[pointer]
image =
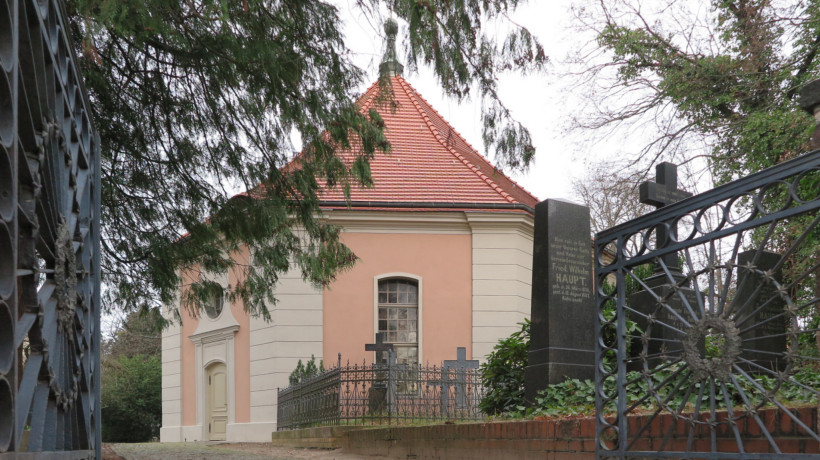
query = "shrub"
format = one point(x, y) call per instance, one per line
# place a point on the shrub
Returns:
point(131, 404)
point(503, 373)
point(577, 397)
point(306, 371)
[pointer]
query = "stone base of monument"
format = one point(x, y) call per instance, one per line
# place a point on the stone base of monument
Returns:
point(557, 365)
point(377, 397)
point(666, 329)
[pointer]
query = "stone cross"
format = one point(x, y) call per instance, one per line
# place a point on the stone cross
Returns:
point(379, 345)
point(661, 193)
point(460, 365)
point(664, 191)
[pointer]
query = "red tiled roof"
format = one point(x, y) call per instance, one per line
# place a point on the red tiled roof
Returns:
point(429, 161)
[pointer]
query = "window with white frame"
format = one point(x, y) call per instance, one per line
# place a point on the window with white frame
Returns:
point(399, 319)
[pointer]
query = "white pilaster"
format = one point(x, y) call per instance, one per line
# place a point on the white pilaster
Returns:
point(502, 273)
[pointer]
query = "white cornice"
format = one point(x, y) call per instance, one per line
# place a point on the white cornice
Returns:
point(214, 335)
point(356, 221)
point(493, 222)
point(449, 222)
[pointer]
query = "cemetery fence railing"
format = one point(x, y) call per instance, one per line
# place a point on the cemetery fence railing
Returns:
point(728, 329)
point(49, 241)
point(381, 394)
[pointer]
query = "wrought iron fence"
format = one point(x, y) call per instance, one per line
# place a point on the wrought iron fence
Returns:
point(724, 327)
point(49, 241)
point(381, 394)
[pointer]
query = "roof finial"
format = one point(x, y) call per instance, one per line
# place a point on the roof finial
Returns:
point(390, 65)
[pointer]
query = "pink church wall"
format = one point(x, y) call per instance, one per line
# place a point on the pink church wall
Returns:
point(443, 262)
point(242, 362)
point(188, 350)
point(242, 342)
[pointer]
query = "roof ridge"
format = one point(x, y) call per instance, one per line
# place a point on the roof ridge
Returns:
point(412, 94)
point(366, 99)
point(470, 146)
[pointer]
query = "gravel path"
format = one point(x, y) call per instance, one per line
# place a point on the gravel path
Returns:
point(225, 451)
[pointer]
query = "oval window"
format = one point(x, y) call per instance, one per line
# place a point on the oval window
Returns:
point(214, 308)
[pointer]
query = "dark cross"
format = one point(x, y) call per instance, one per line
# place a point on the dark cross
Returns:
point(460, 365)
point(379, 345)
point(664, 191)
point(382, 388)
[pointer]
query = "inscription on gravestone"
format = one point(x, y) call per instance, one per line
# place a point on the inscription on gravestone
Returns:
point(571, 281)
point(563, 306)
point(758, 304)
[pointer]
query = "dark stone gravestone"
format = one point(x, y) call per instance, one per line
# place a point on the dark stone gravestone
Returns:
point(664, 304)
point(377, 395)
point(562, 343)
point(662, 308)
point(459, 367)
point(758, 304)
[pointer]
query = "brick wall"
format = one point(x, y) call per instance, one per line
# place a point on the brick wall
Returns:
point(575, 438)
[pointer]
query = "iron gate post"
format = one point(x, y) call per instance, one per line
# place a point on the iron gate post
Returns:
point(49, 240)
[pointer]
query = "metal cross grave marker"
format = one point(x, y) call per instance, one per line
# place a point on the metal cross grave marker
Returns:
point(383, 391)
point(460, 365)
point(664, 191)
point(380, 345)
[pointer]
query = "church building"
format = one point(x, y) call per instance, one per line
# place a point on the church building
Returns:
point(444, 242)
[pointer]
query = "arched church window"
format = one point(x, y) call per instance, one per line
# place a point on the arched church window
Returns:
point(398, 318)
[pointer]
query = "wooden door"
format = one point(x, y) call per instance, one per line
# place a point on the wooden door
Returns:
point(217, 402)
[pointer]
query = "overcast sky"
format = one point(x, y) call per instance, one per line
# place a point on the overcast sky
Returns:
point(537, 101)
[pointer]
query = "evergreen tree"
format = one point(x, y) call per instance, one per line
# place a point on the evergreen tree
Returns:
point(192, 97)
point(131, 376)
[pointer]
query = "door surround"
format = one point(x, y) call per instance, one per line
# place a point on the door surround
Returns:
point(215, 346)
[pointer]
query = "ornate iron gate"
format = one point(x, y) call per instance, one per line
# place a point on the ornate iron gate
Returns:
point(711, 356)
point(49, 241)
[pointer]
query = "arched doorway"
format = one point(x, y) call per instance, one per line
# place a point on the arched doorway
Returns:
point(217, 401)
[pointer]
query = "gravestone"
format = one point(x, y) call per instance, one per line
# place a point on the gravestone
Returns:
point(562, 343)
point(758, 303)
point(664, 302)
point(460, 366)
point(377, 396)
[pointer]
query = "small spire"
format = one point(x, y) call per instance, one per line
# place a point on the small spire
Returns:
point(390, 65)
